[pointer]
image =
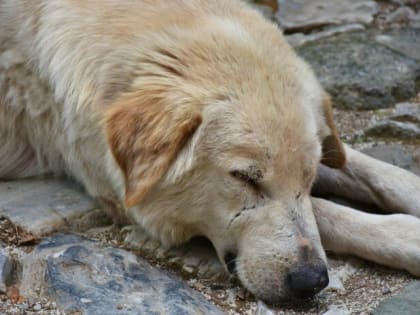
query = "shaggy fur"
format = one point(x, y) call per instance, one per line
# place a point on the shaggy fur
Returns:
point(196, 118)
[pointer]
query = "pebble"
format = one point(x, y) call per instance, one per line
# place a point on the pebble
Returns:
point(37, 307)
point(337, 310)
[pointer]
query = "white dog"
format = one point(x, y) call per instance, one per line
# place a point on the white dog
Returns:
point(193, 117)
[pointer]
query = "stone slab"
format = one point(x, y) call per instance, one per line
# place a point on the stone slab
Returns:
point(42, 206)
point(300, 39)
point(5, 269)
point(361, 73)
point(306, 15)
point(405, 303)
point(83, 276)
point(404, 41)
point(390, 129)
point(408, 112)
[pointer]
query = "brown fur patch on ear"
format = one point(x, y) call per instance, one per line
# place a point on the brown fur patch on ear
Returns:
point(333, 154)
point(145, 134)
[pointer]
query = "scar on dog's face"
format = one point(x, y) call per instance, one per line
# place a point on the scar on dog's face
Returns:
point(230, 152)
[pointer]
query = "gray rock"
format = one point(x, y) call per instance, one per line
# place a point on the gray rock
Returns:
point(306, 15)
point(263, 309)
point(81, 275)
point(299, 39)
point(340, 273)
point(404, 41)
point(337, 310)
point(389, 129)
point(361, 73)
point(405, 303)
point(407, 112)
point(401, 14)
point(6, 265)
point(397, 155)
point(42, 206)
point(415, 21)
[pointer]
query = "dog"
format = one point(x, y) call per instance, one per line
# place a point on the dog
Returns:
point(196, 118)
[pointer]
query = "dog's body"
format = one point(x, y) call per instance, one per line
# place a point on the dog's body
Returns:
point(196, 118)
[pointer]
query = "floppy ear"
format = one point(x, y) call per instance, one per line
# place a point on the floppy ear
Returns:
point(145, 134)
point(333, 154)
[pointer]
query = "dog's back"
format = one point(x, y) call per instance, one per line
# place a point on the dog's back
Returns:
point(63, 62)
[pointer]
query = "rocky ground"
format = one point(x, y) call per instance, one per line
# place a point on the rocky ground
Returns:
point(366, 54)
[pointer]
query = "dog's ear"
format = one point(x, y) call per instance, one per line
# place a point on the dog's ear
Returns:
point(145, 134)
point(333, 154)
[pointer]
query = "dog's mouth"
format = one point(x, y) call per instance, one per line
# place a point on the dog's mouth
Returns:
point(230, 261)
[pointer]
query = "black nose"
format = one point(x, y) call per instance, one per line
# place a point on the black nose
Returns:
point(307, 280)
point(230, 261)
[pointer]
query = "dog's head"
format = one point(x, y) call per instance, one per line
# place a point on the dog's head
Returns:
point(221, 135)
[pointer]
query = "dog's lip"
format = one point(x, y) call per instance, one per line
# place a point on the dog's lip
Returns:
point(229, 259)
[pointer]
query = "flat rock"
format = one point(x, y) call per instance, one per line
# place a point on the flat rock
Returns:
point(263, 309)
point(397, 155)
point(405, 41)
point(405, 303)
point(5, 269)
point(40, 206)
point(408, 112)
point(299, 39)
point(361, 73)
point(337, 310)
point(307, 15)
point(81, 275)
point(389, 129)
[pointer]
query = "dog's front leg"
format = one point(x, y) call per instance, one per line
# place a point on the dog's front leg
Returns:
point(391, 240)
point(368, 180)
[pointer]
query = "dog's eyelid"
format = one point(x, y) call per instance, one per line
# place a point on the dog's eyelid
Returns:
point(244, 176)
point(250, 180)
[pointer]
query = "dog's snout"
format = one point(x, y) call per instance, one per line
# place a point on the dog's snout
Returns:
point(307, 280)
point(230, 261)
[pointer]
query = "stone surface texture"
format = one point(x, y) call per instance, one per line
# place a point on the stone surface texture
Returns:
point(303, 14)
point(299, 39)
point(405, 41)
point(394, 129)
point(5, 269)
point(401, 123)
point(361, 73)
point(405, 303)
point(337, 310)
point(80, 275)
point(43, 206)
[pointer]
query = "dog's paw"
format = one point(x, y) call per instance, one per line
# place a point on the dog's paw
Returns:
point(134, 236)
point(402, 243)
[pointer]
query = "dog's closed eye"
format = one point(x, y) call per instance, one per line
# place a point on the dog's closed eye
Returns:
point(244, 177)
